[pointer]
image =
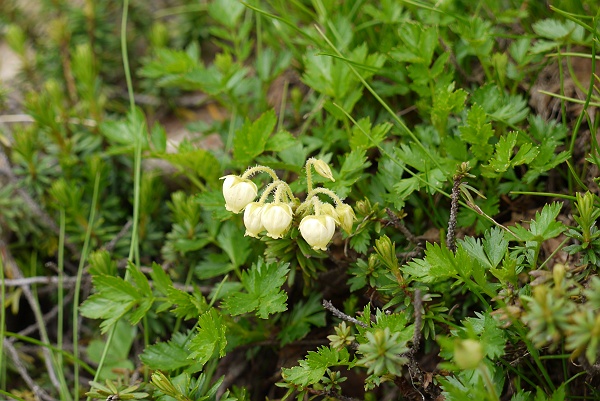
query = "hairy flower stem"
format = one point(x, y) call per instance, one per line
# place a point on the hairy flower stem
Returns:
point(277, 186)
point(451, 237)
point(260, 169)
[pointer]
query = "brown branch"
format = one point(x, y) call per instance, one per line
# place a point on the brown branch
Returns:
point(109, 246)
point(35, 388)
point(401, 227)
point(451, 237)
point(15, 271)
point(338, 313)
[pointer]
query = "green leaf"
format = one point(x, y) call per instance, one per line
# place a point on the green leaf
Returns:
point(210, 339)
point(446, 101)
point(298, 323)
point(543, 227)
point(113, 299)
point(418, 44)
point(235, 244)
point(503, 158)
point(365, 136)
point(250, 140)
point(158, 137)
point(169, 355)
point(495, 245)
point(554, 29)
point(490, 335)
point(280, 141)
point(129, 132)
point(162, 281)
point(195, 162)
point(478, 133)
point(118, 356)
point(313, 367)
point(187, 306)
point(262, 283)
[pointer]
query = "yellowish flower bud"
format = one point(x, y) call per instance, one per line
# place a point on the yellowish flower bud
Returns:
point(468, 353)
point(276, 218)
point(346, 217)
point(323, 169)
point(238, 192)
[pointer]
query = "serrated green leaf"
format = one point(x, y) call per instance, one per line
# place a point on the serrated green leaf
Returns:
point(313, 367)
point(495, 245)
point(554, 29)
point(250, 140)
point(478, 132)
point(418, 44)
point(141, 282)
point(198, 162)
point(169, 355)
point(187, 306)
point(365, 136)
point(210, 339)
point(262, 283)
point(162, 281)
point(490, 335)
point(543, 227)
point(446, 100)
point(129, 132)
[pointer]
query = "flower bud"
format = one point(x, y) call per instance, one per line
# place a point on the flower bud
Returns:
point(468, 353)
point(317, 231)
point(238, 192)
point(346, 217)
point(327, 209)
point(253, 219)
point(323, 169)
point(276, 218)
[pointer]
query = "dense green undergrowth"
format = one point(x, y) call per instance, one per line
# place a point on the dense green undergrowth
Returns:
point(373, 200)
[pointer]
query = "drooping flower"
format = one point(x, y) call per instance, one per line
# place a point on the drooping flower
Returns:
point(253, 219)
point(238, 192)
point(346, 216)
point(276, 218)
point(317, 231)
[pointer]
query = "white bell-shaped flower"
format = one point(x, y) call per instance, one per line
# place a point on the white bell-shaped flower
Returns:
point(276, 218)
point(317, 231)
point(346, 216)
point(238, 192)
point(253, 219)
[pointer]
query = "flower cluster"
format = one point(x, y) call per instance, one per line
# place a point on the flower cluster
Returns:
point(317, 219)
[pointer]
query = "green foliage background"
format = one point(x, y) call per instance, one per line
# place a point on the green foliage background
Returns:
point(124, 275)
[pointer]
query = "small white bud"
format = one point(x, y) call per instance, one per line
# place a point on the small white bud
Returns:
point(317, 231)
point(253, 219)
point(276, 218)
point(346, 217)
point(468, 353)
point(323, 169)
point(238, 192)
